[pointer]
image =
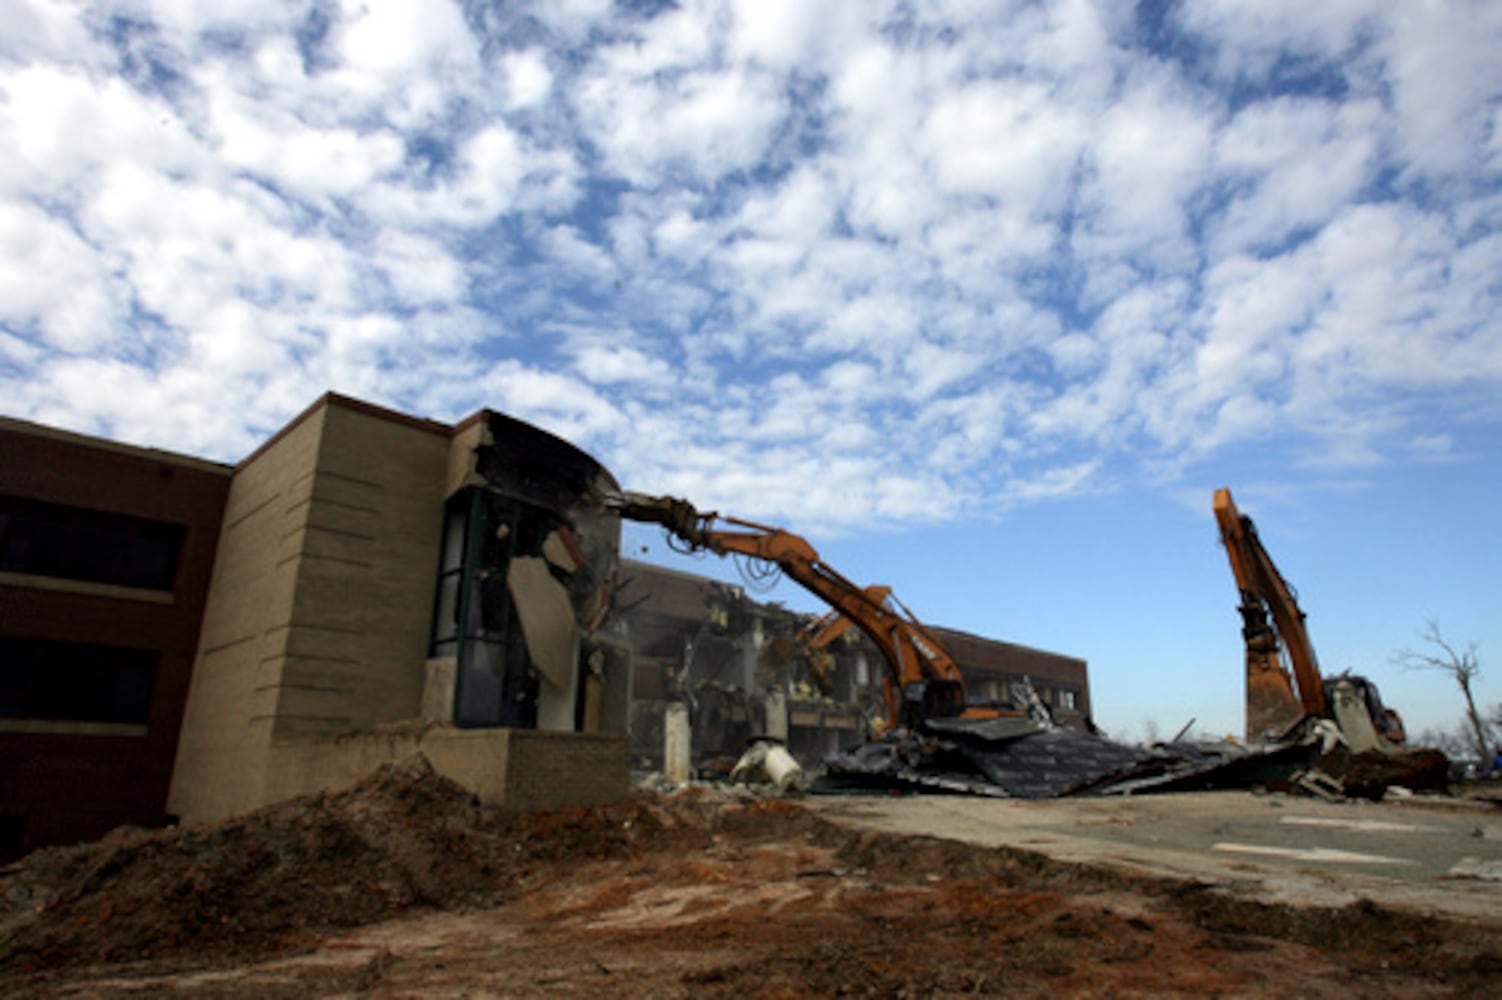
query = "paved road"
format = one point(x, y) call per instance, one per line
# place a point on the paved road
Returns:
point(1441, 855)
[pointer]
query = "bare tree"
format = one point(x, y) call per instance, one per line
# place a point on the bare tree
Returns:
point(1454, 743)
point(1463, 665)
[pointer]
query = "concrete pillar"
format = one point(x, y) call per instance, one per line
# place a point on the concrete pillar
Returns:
point(438, 689)
point(751, 645)
point(777, 715)
point(677, 748)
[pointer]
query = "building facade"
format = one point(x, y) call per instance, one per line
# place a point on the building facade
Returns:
point(105, 558)
point(187, 640)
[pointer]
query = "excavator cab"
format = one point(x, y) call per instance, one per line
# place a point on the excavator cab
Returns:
point(934, 698)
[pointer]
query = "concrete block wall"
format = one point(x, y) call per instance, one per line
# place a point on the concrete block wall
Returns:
point(232, 699)
point(368, 546)
point(320, 604)
point(518, 770)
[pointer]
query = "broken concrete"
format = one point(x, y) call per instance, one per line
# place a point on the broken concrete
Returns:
point(769, 761)
point(547, 619)
point(1023, 758)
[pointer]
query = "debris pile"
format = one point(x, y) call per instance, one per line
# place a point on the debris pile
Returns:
point(1026, 759)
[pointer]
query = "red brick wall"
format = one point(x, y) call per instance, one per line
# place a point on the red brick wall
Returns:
point(70, 787)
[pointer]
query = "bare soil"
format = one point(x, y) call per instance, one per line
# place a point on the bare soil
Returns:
point(404, 887)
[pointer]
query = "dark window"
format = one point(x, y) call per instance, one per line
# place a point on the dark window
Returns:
point(79, 544)
point(474, 617)
point(12, 829)
point(75, 682)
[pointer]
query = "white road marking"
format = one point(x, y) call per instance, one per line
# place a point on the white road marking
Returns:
point(1491, 871)
point(1324, 855)
point(1364, 825)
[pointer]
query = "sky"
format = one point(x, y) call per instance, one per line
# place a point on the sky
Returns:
point(984, 298)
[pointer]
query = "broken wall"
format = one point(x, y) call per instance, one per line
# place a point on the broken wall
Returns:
point(529, 558)
point(709, 647)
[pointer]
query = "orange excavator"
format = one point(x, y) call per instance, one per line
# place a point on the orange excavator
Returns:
point(922, 681)
point(1272, 625)
point(812, 642)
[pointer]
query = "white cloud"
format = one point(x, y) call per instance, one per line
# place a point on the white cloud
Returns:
point(1251, 39)
point(607, 365)
point(528, 79)
point(704, 123)
point(1149, 159)
point(310, 162)
point(60, 125)
point(421, 270)
point(861, 262)
point(1008, 140)
point(40, 29)
point(1443, 66)
point(494, 172)
point(1301, 162)
point(786, 34)
point(1061, 481)
point(52, 278)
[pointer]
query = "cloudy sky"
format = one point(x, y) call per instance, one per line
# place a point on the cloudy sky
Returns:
point(988, 295)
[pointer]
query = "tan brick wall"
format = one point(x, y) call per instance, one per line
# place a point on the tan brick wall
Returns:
point(369, 554)
point(312, 659)
point(232, 699)
point(319, 609)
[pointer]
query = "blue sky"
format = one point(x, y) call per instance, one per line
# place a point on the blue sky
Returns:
point(986, 298)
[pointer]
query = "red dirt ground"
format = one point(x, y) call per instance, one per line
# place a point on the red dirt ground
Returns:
point(403, 887)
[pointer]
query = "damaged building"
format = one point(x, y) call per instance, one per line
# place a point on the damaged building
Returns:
point(183, 639)
point(744, 668)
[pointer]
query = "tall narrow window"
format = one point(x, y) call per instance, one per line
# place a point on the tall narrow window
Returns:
point(475, 618)
point(450, 577)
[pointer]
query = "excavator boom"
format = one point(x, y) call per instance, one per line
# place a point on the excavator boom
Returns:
point(1273, 706)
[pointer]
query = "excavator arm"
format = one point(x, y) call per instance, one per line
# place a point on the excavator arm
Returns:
point(824, 631)
point(1273, 708)
point(922, 679)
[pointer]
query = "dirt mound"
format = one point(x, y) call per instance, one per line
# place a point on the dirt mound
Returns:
point(704, 893)
point(404, 837)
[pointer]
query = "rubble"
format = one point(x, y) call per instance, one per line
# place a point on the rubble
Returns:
point(402, 886)
point(768, 760)
point(1028, 759)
